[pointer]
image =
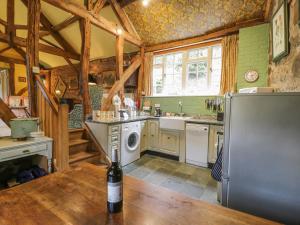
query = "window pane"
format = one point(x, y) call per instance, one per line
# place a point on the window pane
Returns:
point(202, 77)
point(203, 52)
point(217, 51)
point(178, 68)
point(169, 69)
point(193, 54)
point(178, 58)
point(170, 59)
point(158, 60)
point(157, 80)
point(192, 67)
point(202, 70)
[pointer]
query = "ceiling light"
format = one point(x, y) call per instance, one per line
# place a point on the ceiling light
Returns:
point(119, 31)
point(145, 2)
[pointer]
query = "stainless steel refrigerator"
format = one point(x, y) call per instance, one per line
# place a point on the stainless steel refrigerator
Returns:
point(261, 158)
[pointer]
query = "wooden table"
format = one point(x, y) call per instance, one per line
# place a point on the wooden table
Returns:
point(78, 197)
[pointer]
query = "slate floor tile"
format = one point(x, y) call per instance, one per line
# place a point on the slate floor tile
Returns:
point(195, 182)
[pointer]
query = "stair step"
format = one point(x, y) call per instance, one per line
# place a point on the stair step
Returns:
point(76, 133)
point(78, 142)
point(83, 156)
point(78, 145)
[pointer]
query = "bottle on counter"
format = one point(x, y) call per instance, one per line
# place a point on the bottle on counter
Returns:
point(114, 185)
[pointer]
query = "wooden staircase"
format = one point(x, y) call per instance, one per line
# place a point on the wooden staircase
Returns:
point(81, 148)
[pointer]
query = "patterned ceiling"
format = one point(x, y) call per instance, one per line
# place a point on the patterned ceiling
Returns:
point(167, 20)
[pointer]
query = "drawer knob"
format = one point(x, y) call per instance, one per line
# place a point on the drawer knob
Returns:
point(168, 137)
point(26, 151)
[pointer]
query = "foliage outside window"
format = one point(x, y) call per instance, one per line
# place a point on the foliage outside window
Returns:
point(189, 72)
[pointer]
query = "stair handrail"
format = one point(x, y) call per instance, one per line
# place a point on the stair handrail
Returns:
point(55, 125)
point(5, 113)
point(48, 97)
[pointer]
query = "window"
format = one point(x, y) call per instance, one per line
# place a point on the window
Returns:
point(189, 72)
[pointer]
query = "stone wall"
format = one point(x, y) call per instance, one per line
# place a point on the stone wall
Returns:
point(285, 75)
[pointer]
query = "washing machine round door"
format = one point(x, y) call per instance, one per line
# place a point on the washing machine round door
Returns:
point(133, 140)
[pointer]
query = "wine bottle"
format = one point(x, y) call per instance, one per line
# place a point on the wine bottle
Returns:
point(114, 185)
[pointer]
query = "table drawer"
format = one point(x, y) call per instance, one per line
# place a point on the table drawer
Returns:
point(22, 151)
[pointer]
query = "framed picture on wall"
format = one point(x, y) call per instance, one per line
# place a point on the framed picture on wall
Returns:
point(280, 32)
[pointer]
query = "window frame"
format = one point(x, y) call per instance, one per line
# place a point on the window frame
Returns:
point(185, 61)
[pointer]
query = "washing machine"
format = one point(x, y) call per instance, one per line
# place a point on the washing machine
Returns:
point(130, 142)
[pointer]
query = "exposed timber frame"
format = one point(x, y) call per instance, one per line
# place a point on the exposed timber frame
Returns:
point(32, 53)
point(95, 19)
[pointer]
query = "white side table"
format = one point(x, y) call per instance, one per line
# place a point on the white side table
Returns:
point(12, 149)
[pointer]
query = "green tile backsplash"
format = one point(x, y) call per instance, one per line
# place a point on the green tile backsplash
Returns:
point(191, 105)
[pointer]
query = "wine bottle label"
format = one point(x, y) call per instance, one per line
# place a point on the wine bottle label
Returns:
point(114, 192)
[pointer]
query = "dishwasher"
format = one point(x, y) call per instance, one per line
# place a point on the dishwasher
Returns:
point(197, 144)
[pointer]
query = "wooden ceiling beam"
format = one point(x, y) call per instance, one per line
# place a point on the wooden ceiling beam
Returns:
point(89, 4)
point(99, 4)
point(55, 34)
point(125, 21)
point(44, 33)
point(124, 3)
point(194, 40)
point(119, 84)
point(97, 20)
point(21, 42)
point(25, 27)
point(20, 51)
point(11, 60)
point(10, 15)
point(267, 10)
point(5, 49)
point(65, 23)
point(3, 22)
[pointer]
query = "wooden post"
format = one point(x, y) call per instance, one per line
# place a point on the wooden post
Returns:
point(10, 28)
point(141, 75)
point(119, 62)
point(62, 144)
point(12, 79)
point(85, 26)
point(32, 53)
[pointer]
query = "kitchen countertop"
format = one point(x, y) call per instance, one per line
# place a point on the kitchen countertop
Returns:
point(78, 196)
point(140, 118)
point(205, 121)
point(120, 120)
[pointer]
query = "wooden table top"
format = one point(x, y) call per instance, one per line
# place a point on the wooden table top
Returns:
point(78, 196)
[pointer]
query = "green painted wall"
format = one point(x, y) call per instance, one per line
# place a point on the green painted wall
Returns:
point(253, 55)
point(192, 105)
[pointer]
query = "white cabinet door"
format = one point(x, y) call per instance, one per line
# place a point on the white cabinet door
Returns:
point(153, 132)
point(169, 142)
point(144, 136)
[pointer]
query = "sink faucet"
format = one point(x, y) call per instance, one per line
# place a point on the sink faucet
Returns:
point(180, 108)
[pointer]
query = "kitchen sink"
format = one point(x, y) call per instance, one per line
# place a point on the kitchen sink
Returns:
point(173, 122)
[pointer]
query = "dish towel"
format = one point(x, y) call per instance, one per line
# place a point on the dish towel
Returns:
point(216, 171)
